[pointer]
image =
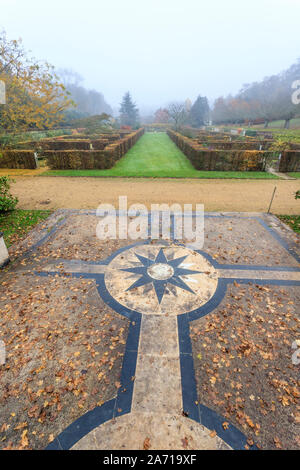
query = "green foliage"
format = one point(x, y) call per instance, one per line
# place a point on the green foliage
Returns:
point(7, 201)
point(251, 133)
point(11, 140)
point(93, 124)
point(292, 220)
point(188, 132)
point(280, 144)
point(16, 224)
point(297, 194)
point(292, 136)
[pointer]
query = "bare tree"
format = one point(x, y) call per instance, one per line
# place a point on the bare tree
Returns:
point(69, 77)
point(177, 113)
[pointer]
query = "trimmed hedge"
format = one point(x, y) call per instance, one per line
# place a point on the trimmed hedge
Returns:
point(65, 144)
point(99, 144)
point(289, 161)
point(73, 142)
point(235, 145)
point(121, 133)
point(78, 159)
point(29, 144)
point(222, 160)
point(24, 159)
point(78, 136)
point(228, 137)
point(92, 159)
point(295, 146)
point(157, 127)
point(55, 144)
point(112, 137)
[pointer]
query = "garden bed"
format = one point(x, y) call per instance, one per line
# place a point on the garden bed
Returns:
point(16, 224)
point(292, 220)
point(243, 365)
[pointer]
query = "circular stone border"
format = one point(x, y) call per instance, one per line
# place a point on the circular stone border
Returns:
point(161, 279)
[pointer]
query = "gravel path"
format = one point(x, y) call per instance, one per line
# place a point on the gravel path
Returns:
point(217, 195)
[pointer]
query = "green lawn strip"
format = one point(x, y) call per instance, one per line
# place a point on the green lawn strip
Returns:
point(154, 152)
point(156, 156)
point(16, 224)
point(295, 174)
point(292, 220)
point(165, 174)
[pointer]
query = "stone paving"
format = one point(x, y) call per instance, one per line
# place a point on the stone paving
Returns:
point(170, 389)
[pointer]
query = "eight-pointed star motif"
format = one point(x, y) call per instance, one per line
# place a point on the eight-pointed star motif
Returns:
point(160, 272)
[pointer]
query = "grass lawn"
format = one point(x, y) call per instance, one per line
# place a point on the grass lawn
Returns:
point(167, 174)
point(16, 224)
point(295, 123)
point(292, 220)
point(295, 174)
point(156, 156)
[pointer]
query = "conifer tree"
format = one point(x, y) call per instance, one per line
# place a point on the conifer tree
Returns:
point(128, 111)
point(199, 113)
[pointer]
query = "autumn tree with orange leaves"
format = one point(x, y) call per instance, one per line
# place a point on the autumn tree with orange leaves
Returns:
point(35, 98)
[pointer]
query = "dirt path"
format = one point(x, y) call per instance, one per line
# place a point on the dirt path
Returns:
point(217, 195)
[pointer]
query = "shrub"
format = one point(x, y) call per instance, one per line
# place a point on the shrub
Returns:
point(7, 201)
point(250, 132)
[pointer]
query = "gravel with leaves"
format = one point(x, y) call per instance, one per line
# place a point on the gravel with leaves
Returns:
point(243, 363)
point(64, 350)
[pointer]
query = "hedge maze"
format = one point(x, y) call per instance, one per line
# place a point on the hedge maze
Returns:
point(78, 152)
point(206, 150)
point(225, 152)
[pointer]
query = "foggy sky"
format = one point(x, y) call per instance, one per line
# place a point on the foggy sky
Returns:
point(159, 50)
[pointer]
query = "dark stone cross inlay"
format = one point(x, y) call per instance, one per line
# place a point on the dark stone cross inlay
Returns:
point(160, 272)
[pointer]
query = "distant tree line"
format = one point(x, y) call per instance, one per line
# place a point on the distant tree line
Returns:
point(185, 113)
point(85, 102)
point(261, 102)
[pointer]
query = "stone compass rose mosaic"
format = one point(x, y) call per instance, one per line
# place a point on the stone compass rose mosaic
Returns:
point(151, 283)
point(161, 280)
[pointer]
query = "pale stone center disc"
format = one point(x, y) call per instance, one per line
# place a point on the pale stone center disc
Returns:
point(160, 271)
